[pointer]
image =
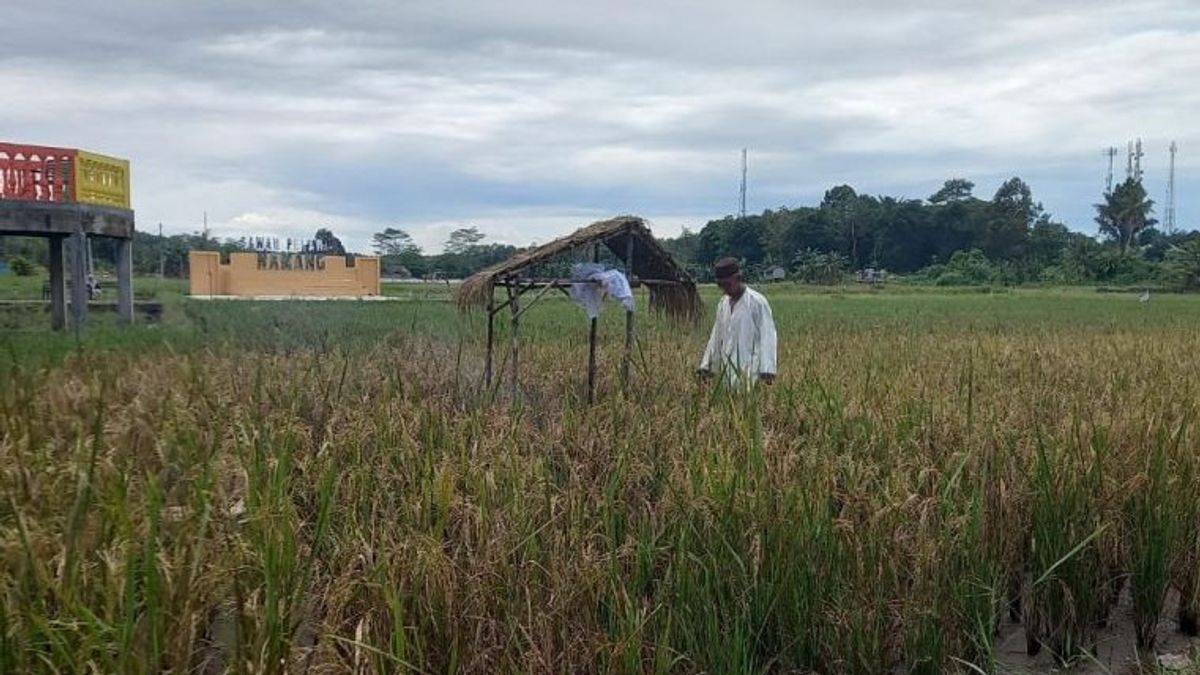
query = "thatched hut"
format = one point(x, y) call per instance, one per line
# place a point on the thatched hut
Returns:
point(672, 291)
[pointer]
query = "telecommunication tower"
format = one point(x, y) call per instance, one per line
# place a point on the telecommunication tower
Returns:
point(1169, 218)
point(1133, 160)
point(1137, 160)
point(742, 203)
point(1111, 153)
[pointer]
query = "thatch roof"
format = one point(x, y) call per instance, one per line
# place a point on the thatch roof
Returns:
point(679, 298)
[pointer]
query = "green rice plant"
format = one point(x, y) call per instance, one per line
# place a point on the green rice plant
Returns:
point(1151, 532)
point(717, 617)
point(975, 579)
point(283, 544)
point(860, 638)
point(1060, 604)
point(799, 572)
point(1185, 510)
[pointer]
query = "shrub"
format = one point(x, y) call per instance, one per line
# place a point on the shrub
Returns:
point(1183, 265)
point(21, 266)
point(965, 268)
point(815, 267)
point(1108, 264)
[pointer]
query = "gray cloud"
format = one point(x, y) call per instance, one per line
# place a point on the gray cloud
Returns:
point(528, 117)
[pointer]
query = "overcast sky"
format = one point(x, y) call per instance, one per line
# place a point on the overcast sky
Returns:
point(527, 118)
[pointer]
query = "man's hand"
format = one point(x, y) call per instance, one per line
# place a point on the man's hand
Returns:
point(768, 378)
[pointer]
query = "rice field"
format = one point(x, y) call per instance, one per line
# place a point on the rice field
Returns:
point(326, 488)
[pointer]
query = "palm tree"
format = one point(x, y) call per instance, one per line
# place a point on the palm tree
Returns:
point(1125, 212)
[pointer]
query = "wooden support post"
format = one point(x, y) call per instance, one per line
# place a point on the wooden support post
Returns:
point(628, 316)
point(540, 294)
point(79, 291)
point(513, 307)
point(591, 392)
point(487, 359)
point(58, 285)
point(591, 375)
point(125, 281)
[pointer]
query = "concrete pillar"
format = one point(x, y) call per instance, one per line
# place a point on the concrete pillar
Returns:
point(79, 294)
point(58, 285)
point(125, 281)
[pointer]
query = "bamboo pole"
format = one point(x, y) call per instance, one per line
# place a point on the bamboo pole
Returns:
point(567, 283)
point(628, 317)
point(545, 288)
point(591, 375)
point(516, 312)
point(487, 359)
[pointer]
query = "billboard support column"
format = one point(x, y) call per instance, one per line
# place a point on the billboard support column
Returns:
point(125, 281)
point(79, 289)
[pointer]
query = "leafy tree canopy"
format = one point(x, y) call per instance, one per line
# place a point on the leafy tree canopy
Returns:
point(953, 190)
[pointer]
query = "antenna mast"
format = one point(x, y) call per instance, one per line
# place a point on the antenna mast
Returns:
point(162, 254)
point(1111, 153)
point(1137, 160)
point(1169, 218)
point(742, 206)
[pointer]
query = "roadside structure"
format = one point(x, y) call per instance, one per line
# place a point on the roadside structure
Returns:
point(69, 195)
point(646, 264)
point(251, 274)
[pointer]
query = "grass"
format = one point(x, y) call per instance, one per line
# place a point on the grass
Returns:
point(323, 487)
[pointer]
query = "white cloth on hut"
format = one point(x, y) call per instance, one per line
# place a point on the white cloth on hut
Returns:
point(590, 296)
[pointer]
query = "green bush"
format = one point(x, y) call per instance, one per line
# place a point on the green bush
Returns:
point(953, 278)
point(1057, 275)
point(816, 267)
point(21, 266)
point(1183, 265)
point(966, 268)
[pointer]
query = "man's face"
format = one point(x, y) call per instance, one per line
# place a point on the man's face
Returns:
point(731, 285)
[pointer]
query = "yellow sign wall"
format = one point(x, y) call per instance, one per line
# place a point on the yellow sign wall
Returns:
point(100, 179)
point(243, 276)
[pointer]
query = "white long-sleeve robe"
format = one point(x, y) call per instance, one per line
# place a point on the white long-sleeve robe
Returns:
point(743, 339)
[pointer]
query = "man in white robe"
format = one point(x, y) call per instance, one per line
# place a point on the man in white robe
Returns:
point(742, 345)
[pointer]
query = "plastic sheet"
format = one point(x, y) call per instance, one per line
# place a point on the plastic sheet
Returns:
point(603, 282)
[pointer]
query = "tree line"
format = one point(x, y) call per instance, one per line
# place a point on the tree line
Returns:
point(152, 253)
point(464, 253)
point(952, 237)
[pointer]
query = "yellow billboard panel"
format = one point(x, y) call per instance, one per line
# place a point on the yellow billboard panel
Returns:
point(101, 180)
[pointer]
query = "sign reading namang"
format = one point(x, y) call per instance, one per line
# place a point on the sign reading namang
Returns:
point(246, 275)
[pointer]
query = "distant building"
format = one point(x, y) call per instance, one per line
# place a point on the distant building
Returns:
point(774, 273)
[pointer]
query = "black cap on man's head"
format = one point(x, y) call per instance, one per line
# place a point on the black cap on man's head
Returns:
point(726, 267)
